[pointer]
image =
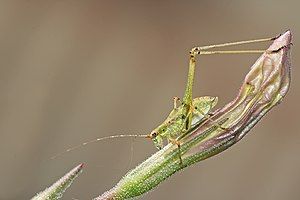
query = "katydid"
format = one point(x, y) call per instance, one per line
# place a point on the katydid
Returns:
point(189, 111)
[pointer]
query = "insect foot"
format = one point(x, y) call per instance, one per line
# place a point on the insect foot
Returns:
point(279, 49)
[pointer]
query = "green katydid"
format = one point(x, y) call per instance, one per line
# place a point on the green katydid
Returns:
point(189, 111)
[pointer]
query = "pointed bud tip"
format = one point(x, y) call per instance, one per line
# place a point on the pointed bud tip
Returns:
point(284, 39)
point(81, 165)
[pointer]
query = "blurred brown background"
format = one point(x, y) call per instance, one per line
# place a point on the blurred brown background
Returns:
point(71, 71)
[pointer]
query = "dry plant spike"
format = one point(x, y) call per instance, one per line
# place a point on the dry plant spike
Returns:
point(264, 86)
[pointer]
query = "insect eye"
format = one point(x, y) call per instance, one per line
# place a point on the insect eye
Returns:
point(196, 107)
point(153, 135)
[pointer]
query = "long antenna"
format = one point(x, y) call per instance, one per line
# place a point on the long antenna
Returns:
point(98, 140)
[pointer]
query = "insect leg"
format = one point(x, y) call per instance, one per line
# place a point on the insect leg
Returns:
point(196, 50)
point(202, 50)
point(234, 43)
point(231, 52)
point(208, 117)
point(176, 142)
point(188, 122)
point(187, 99)
point(175, 100)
